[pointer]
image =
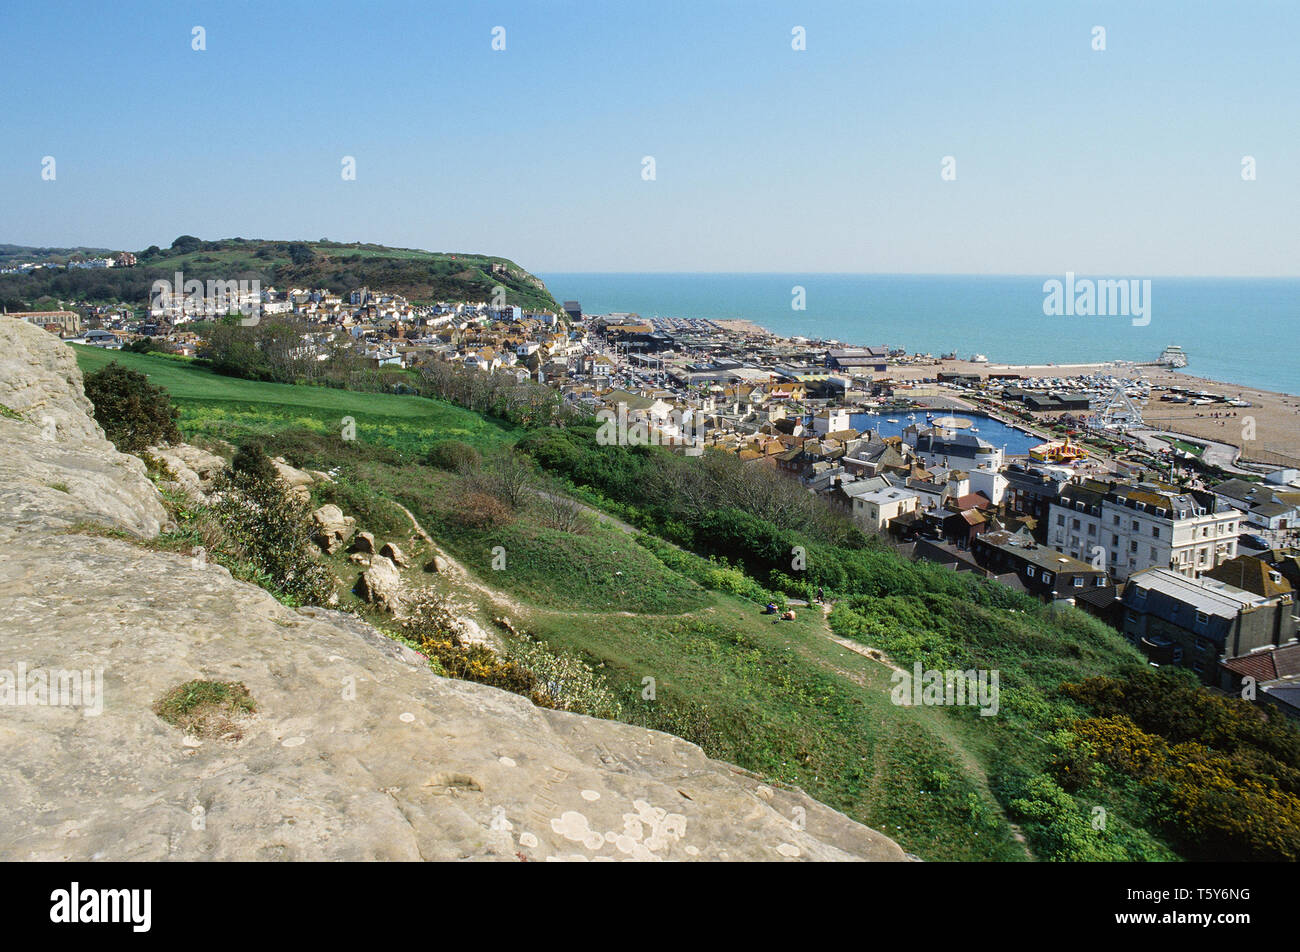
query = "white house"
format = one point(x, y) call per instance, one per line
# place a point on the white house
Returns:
point(876, 510)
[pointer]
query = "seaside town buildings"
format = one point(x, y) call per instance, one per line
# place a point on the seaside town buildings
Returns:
point(1135, 539)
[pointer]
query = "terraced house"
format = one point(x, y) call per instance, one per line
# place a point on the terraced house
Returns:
point(1129, 528)
point(1197, 623)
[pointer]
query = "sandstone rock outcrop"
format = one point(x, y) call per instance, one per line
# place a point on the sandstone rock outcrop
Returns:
point(393, 552)
point(381, 584)
point(363, 543)
point(357, 751)
point(194, 468)
point(56, 467)
point(333, 529)
point(299, 481)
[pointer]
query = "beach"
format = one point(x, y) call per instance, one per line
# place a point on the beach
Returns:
point(1268, 431)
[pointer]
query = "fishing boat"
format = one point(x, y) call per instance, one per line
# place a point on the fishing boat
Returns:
point(891, 421)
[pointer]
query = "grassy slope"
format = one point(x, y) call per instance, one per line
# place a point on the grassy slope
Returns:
point(781, 699)
point(220, 407)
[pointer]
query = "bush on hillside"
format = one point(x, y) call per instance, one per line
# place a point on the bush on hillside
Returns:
point(479, 510)
point(454, 456)
point(133, 412)
point(432, 622)
point(272, 528)
point(509, 476)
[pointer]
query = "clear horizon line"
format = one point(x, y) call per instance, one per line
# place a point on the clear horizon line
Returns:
point(946, 274)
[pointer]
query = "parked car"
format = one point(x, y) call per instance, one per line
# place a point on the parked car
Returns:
point(1253, 540)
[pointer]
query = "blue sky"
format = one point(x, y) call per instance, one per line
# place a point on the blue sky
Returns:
point(1124, 162)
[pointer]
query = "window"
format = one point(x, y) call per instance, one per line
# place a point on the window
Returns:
point(1100, 581)
point(1136, 526)
point(1133, 546)
point(1078, 581)
point(1154, 556)
point(1178, 654)
point(1074, 523)
point(1139, 594)
point(1117, 520)
point(1047, 578)
point(1114, 540)
point(1060, 520)
point(1155, 532)
point(1029, 571)
point(1202, 618)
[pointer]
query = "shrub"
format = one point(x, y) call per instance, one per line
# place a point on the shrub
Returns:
point(480, 510)
point(432, 623)
point(562, 513)
point(570, 683)
point(250, 460)
point(133, 412)
point(453, 455)
point(272, 528)
point(509, 477)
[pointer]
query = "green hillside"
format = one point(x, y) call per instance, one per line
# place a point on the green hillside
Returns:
point(1089, 755)
point(217, 407)
point(421, 276)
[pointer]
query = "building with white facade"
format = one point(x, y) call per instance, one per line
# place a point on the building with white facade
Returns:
point(1131, 528)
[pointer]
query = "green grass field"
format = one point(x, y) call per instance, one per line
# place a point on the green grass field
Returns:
point(217, 407)
point(782, 699)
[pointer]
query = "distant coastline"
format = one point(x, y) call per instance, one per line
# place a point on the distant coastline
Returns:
point(1000, 316)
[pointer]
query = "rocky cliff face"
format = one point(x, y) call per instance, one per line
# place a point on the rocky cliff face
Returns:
point(357, 751)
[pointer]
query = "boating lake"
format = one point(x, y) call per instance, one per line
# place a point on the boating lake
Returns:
point(1013, 441)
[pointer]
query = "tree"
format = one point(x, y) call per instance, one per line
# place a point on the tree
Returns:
point(141, 346)
point(133, 412)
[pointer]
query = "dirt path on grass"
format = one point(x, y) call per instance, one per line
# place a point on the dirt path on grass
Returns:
point(456, 572)
point(937, 722)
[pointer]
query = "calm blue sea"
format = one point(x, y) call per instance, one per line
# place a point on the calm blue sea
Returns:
point(1240, 330)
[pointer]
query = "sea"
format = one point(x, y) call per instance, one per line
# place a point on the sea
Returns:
point(1235, 330)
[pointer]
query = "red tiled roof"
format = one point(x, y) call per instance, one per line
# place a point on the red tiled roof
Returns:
point(1267, 665)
